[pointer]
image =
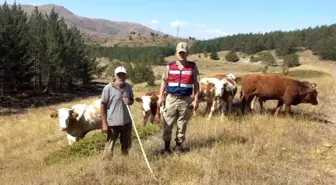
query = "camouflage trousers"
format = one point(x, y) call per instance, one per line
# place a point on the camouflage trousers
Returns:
point(176, 111)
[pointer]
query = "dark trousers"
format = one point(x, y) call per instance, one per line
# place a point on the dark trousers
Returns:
point(125, 133)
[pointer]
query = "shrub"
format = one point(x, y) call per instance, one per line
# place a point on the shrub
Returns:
point(93, 145)
point(265, 69)
point(140, 73)
point(291, 60)
point(266, 57)
point(232, 57)
point(100, 69)
point(214, 56)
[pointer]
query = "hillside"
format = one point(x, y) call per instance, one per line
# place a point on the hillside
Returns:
point(251, 149)
point(106, 32)
point(320, 39)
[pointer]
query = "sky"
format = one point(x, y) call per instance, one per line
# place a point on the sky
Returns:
point(206, 19)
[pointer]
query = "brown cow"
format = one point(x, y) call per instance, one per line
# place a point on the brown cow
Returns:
point(149, 106)
point(286, 90)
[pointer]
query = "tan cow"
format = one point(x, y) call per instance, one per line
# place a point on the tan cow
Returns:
point(218, 91)
point(149, 106)
point(78, 120)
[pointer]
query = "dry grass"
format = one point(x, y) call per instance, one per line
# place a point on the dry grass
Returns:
point(254, 149)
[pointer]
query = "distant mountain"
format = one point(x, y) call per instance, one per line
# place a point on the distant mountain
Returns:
point(110, 33)
point(100, 27)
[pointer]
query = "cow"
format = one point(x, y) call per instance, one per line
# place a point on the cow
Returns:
point(286, 90)
point(78, 120)
point(218, 91)
point(150, 107)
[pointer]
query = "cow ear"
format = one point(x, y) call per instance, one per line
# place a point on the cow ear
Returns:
point(54, 115)
point(154, 98)
point(138, 99)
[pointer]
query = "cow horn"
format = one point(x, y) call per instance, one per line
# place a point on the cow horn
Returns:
point(313, 85)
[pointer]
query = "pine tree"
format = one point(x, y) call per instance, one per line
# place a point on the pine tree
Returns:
point(2, 54)
point(38, 44)
point(16, 57)
point(53, 49)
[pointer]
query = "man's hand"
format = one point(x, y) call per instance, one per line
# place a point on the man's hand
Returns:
point(126, 101)
point(104, 127)
point(160, 101)
point(195, 105)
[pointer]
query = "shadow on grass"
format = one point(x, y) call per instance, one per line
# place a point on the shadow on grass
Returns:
point(16, 103)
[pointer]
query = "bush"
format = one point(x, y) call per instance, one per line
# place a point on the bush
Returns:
point(286, 47)
point(232, 57)
point(93, 145)
point(265, 69)
point(266, 57)
point(111, 67)
point(214, 56)
point(291, 60)
point(326, 48)
point(307, 74)
point(140, 73)
point(100, 69)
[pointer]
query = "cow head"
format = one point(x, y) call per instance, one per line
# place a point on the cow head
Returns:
point(231, 76)
point(65, 116)
point(149, 105)
point(217, 88)
point(309, 93)
point(220, 88)
point(146, 101)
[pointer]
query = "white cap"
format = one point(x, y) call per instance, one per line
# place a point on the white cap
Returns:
point(120, 69)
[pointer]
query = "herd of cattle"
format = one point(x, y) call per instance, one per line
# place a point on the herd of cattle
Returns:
point(218, 91)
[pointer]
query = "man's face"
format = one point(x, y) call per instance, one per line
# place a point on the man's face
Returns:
point(121, 76)
point(182, 55)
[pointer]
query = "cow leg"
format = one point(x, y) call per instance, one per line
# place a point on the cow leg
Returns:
point(213, 108)
point(152, 116)
point(287, 110)
point(278, 108)
point(207, 108)
point(248, 103)
point(253, 103)
point(145, 117)
point(229, 105)
point(71, 139)
point(243, 105)
point(261, 103)
point(224, 105)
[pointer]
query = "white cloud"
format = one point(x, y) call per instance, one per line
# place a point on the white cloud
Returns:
point(216, 32)
point(155, 21)
point(36, 4)
point(177, 23)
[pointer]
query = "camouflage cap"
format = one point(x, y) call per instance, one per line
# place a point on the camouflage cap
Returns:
point(182, 46)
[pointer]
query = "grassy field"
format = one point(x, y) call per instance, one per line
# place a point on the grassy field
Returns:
point(253, 149)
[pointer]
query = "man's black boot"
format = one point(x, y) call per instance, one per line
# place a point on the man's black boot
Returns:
point(178, 148)
point(167, 147)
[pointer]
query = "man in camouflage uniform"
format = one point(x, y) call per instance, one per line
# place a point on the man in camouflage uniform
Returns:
point(180, 81)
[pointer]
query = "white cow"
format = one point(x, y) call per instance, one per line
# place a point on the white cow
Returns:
point(78, 120)
point(220, 91)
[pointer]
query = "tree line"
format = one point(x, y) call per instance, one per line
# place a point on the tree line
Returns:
point(40, 52)
point(152, 55)
point(321, 40)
